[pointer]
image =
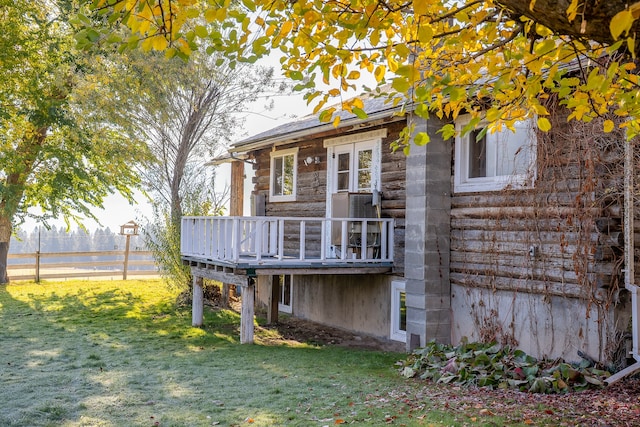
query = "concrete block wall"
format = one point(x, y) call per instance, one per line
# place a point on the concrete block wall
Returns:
point(428, 290)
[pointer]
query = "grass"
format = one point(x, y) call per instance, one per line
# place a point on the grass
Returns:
point(116, 353)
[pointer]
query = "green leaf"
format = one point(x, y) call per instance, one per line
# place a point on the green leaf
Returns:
point(448, 131)
point(359, 112)
point(201, 31)
point(421, 139)
point(401, 84)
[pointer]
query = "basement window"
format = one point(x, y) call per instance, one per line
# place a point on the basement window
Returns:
point(494, 161)
point(285, 293)
point(398, 311)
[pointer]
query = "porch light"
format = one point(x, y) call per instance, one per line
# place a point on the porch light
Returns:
point(312, 161)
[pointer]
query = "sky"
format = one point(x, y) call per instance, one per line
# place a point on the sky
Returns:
point(118, 211)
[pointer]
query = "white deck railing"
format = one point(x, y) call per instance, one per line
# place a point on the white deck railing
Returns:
point(287, 239)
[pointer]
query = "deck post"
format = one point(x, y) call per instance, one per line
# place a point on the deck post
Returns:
point(197, 304)
point(247, 312)
point(274, 296)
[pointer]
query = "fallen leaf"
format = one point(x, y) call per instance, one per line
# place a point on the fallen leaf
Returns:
point(339, 421)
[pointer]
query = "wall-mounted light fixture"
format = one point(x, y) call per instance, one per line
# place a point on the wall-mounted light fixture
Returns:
point(312, 160)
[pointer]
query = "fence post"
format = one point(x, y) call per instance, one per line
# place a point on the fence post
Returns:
point(37, 266)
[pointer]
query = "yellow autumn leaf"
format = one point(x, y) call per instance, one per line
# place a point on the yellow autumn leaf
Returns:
point(286, 28)
point(353, 75)
point(393, 64)
point(336, 71)
point(336, 121)
point(221, 14)
point(146, 45)
point(379, 73)
point(608, 126)
point(572, 10)
point(621, 23)
point(159, 43)
point(420, 7)
point(493, 114)
point(544, 124)
point(210, 14)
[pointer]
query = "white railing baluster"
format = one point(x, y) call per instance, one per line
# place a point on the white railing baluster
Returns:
point(363, 241)
point(303, 238)
point(237, 238)
point(391, 242)
point(258, 241)
point(344, 240)
point(228, 238)
point(281, 239)
point(273, 238)
point(323, 240)
point(384, 250)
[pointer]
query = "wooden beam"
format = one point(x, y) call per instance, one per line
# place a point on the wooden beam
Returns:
point(220, 276)
point(197, 305)
point(236, 206)
point(247, 312)
point(321, 270)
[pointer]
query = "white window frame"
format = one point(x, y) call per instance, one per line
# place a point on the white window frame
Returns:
point(281, 306)
point(398, 287)
point(462, 181)
point(354, 143)
point(278, 154)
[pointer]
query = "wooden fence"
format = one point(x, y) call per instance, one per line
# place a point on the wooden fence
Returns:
point(108, 264)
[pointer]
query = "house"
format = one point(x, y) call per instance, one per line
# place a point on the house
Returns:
point(515, 236)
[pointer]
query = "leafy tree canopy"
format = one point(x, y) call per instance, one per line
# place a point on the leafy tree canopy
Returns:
point(55, 153)
point(499, 60)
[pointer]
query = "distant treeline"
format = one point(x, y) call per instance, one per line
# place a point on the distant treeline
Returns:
point(59, 240)
point(56, 240)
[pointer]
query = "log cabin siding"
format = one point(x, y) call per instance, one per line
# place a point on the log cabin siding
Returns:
point(311, 185)
point(545, 239)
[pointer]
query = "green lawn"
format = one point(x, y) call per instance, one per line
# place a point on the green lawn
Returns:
point(120, 353)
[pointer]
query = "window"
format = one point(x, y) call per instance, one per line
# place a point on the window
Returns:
point(282, 187)
point(495, 160)
point(398, 311)
point(355, 166)
point(285, 292)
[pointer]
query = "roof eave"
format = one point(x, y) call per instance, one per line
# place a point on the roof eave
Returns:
point(303, 133)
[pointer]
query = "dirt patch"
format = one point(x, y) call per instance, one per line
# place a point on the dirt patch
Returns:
point(290, 329)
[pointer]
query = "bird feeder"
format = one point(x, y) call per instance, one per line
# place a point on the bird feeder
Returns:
point(129, 229)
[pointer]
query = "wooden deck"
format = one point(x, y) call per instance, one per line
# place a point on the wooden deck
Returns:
point(251, 246)
point(236, 250)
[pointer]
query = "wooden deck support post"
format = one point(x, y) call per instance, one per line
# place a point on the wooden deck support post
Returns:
point(247, 312)
point(197, 305)
point(272, 306)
